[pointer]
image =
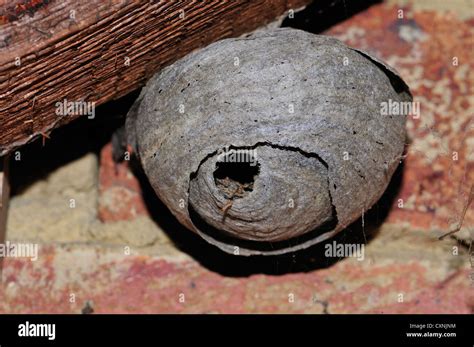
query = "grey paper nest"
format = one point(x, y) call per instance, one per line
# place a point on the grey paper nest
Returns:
point(306, 110)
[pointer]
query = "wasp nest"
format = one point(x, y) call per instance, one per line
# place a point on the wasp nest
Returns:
point(270, 143)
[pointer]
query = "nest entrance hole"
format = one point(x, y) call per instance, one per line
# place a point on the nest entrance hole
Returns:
point(236, 179)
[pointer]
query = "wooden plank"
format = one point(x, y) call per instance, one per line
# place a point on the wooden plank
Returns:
point(100, 50)
point(4, 201)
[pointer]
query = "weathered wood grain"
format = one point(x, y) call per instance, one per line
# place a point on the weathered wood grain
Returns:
point(100, 50)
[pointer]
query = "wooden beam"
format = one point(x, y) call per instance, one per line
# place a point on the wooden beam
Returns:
point(100, 50)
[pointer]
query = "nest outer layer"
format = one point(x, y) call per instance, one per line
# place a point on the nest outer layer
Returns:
point(308, 105)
